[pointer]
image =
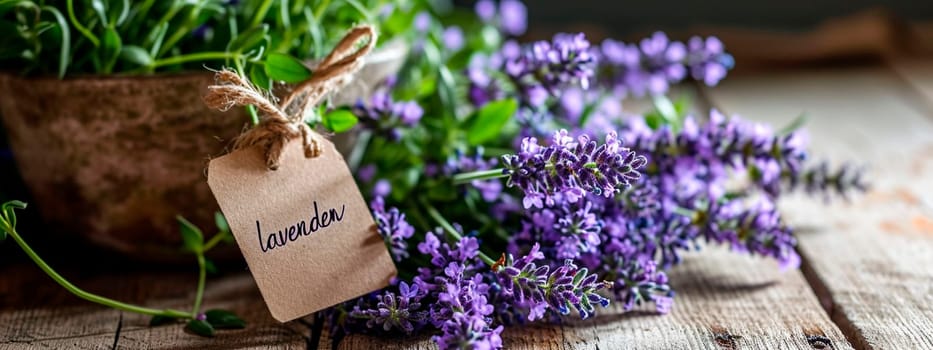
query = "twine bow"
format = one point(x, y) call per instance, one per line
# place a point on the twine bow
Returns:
point(284, 122)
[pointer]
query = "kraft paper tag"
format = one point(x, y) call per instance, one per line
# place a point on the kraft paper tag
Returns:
point(304, 229)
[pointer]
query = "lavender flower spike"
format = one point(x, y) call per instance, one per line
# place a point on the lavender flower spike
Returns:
point(571, 168)
point(395, 311)
point(393, 228)
point(540, 289)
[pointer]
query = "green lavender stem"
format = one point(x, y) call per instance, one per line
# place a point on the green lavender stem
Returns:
point(219, 237)
point(185, 28)
point(94, 298)
point(80, 27)
point(201, 56)
point(436, 215)
point(261, 13)
point(464, 178)
point(202, 269)
point(202, 276)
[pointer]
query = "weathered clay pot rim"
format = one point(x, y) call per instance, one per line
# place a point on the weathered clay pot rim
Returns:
point(118, 77)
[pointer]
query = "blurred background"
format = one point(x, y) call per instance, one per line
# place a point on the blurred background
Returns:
point(760, 34)
point(792, 15)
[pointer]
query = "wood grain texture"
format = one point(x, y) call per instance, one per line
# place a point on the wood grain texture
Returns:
point(871, 260)
point(36, 313)
point(724, 301)
point(918, 73)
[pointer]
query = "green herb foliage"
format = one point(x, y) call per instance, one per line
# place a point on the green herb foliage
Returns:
point(69, 37)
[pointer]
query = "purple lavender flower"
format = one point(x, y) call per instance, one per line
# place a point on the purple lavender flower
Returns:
point(485, 10)
point(639, 280)
point(539, 288)
point(662, 61)
point(571, 168)
point(466, 312)
point(395, 311)
point(694, 161)
point(567, 230)
point(483, 89)
point(708, 60)
point(393, 228)
point(579, 230)
point(462, 311)
point(422, 21)
point(366, 173)
point(545, 67)
point(453, 38)
point(820, 179)
point(756, 229)
point(513, 17)
point(656, 62)
point(382, 188)
point(633, 230)
point(489, 190)
point(385, 115)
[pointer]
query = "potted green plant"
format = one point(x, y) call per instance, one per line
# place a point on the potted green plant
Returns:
point(101, 100)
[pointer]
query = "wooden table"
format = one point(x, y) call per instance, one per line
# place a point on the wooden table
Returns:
point(866, 280)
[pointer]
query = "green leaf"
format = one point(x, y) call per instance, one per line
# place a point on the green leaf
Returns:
point(160, 32)
point(101, 10)
point(666, 110)
point(8, 5)
point(123, 14)
point(249, 39)
point(445, 88)
point(490, 120)
point(222, 319)
point(581, 274)
point(259, 78)
point(654, 120)
point(221, 222)
point(65, 54)
point(286, 68)
point(363, 10)
point(136, 55)
point(191, 235)
point(7, 210)
point(201, 328)
point(159, 320)
point(210, 267)
point(340, 120)
point(80, 27)
point(14, 204)
point(110, 49)
point(316, 33)
point(797, 123)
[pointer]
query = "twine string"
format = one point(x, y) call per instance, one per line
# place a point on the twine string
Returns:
point(284, 122)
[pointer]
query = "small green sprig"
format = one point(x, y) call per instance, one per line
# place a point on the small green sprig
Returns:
point(201, 323)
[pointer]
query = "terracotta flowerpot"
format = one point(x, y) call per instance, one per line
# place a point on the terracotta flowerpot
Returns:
point(115, 158)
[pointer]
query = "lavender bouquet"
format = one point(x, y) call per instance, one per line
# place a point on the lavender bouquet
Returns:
point(510, 187)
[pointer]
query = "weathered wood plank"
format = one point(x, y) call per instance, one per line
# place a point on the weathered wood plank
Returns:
point(871, 260)
point(237, 292)
point(37, 313)
point(918, 73)
point(34, 313)
point(724, 300)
